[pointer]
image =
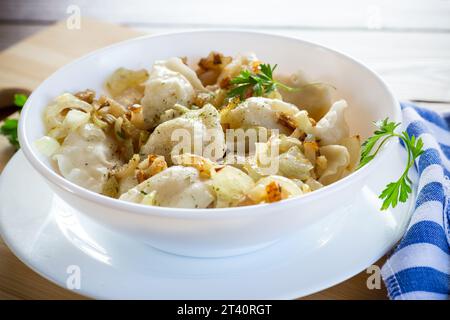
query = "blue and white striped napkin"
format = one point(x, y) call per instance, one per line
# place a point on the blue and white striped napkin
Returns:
point(419, 268)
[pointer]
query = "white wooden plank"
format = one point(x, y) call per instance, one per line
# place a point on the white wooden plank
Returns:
point(400, 14)
point(415, 65)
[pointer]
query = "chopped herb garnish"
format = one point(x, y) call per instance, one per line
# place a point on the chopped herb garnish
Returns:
point(399, 190)
point(255, 84)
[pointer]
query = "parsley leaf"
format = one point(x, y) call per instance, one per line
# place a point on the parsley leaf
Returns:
point(399, 190)
point(9, 130)
point(20, 99)
point(255, 84)
point(385, 131)
point(9, 127)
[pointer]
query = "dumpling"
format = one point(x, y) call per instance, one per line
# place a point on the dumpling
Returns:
point(86, 156)
point(127, 86)
point(175, 187)
point(170, 82)
point(200, 133)
point(332, 128)
point(259, 112)
point(282, 156)
point(338, 159)
point(241, 62)
point(177, 65)
point(353, 145)
point(315, 98)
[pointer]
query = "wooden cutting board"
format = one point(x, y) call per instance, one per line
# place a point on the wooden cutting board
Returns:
point(25, 65)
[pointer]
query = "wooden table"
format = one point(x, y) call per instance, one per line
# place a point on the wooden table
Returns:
point(27, 63)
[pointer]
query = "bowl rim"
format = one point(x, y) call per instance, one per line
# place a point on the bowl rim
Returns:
point(129, 207)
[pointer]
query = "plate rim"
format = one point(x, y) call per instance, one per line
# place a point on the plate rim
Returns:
point(295, 294)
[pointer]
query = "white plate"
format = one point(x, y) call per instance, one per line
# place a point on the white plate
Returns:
point(47, 235)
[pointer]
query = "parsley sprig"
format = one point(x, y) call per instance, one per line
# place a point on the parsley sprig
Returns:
point(256, 84)
point(9, 127)
point(399, 190)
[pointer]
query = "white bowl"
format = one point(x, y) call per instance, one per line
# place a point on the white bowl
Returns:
point(228, 231)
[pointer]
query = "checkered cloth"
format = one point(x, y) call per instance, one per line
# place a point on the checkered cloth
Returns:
point(419, 268)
